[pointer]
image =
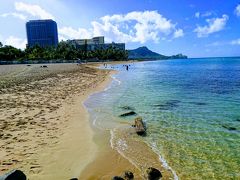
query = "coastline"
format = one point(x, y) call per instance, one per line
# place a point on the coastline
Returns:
point(110, 162)
point(62, 143)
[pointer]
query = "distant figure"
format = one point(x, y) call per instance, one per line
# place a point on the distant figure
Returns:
point(127, 67)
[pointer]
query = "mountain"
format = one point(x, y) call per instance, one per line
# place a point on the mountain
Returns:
point(146, 54)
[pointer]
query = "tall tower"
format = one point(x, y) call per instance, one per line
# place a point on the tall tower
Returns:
point(42, 32)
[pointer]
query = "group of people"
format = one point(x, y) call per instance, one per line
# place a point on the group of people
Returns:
point(126, 66)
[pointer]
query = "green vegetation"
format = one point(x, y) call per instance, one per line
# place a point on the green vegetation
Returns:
point(63, 51)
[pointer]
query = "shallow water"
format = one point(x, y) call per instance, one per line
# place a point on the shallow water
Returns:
point(191, 109)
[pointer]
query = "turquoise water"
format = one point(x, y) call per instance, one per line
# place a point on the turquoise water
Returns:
point(191, 109)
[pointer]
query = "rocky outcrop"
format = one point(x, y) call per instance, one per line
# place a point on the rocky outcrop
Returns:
point(139, 126)
point(117, 178)
point(129, 113)
point(230, 128)
point(153, 174)
point(14, 175)
point(128, 175)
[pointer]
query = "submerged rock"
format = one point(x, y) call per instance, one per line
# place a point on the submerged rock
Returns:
point(199, 103)
point(130, 113)
point(153, 174)
point(128, 175)
point(238, 120)
point(14, 175)
point(74, 179)
point(168, 105)
point(229, 128)
point(127, 108)
point(117, 178)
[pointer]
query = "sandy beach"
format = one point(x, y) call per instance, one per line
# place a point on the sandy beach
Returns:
point(45, 130)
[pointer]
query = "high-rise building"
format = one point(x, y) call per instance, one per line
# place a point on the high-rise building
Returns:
point(42, 32)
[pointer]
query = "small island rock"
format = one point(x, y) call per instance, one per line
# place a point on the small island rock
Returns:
point(14, 175)
point(153, 174)
point(128, 175)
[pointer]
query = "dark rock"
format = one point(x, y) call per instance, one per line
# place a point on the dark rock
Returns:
point(44, 66)
point(130, 113)
point(238, 120)
point(117, 178)
point(153, 174)
point(14, 175)
point(229, 128)
point(168, 105)
point(128, 175)
point(139, 126)
point(74, 179)
point(199, 103)
point(172, 103)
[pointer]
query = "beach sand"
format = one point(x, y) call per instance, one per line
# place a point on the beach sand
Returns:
point(44, 127)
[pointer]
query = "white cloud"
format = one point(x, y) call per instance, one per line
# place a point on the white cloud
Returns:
point(197, 14)
point(16, 15)
point(208, 13)
point(214, 25)
point(236, 42)
point(237, 10)
point(136, 26)
point(73, 33)
point(215, 44)
point(205, 14)
point(178, 33)
point(33, 10)
point(16, 42)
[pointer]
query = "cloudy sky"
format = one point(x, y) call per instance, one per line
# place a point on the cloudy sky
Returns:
point(192, 27)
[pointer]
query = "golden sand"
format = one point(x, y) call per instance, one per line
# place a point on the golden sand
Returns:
point(44, 128)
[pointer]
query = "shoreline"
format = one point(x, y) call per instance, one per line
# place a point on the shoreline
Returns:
point(110, 162)
point(59, 141)
point(116, 164)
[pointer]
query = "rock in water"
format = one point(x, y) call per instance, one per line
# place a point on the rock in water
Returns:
point(74, 179)
point(153, 174)
point(127, 108)
point(14, 175)
point(229, 128)
point(130, 113)
point(139, 126)
point(128, 175)
point(117, 178)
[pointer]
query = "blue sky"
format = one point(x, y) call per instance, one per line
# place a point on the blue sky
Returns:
point(196, 28)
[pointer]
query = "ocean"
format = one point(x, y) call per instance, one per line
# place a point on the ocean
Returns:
point(191, 109)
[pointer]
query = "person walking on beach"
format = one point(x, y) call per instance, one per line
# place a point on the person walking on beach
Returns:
point(127, 67)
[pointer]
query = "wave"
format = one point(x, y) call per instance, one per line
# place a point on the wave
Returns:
point(163, 161)
point(117, 80)
point(119, 149)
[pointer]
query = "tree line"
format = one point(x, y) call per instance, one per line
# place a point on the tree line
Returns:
point(63, 51)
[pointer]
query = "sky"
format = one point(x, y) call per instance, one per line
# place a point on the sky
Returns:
point(206, 28)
